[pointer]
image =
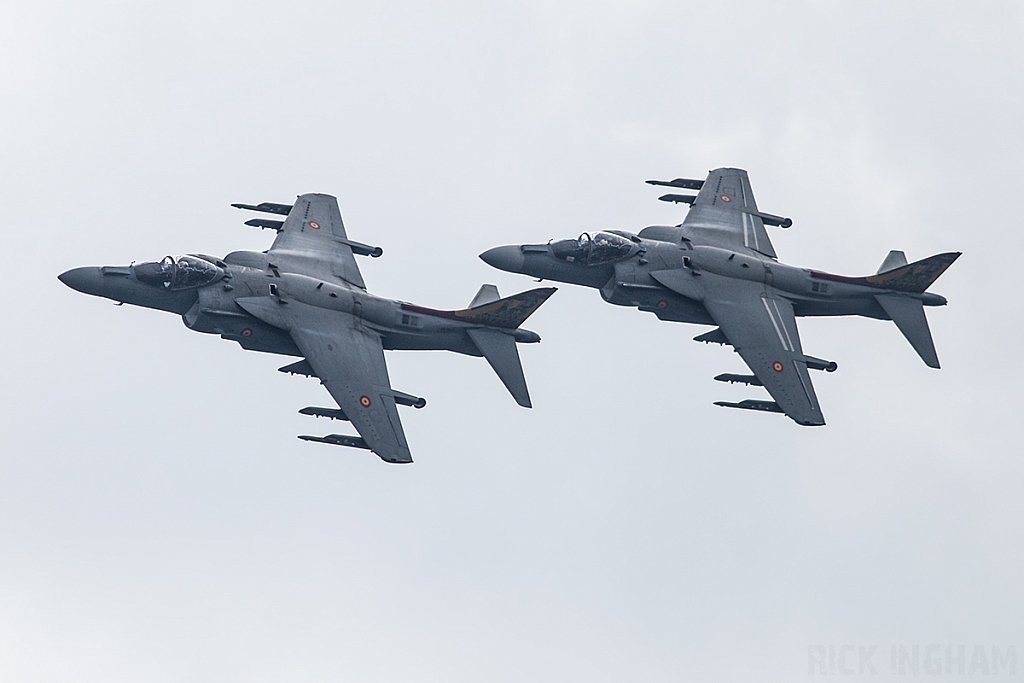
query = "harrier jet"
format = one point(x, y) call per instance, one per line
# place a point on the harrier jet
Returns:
point(719, 268)
point(305, 297)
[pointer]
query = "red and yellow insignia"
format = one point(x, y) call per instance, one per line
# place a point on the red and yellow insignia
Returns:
point(314, 225)
point(662, 304)
point(247, 332)
point(777, 366)
point(726, 198)
point(365, 401)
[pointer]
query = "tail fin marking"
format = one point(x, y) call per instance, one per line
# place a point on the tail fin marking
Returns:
point(914, 277)
point(508, 313)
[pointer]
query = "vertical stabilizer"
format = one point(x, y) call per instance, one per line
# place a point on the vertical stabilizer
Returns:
point(486, 295)
point(908, 314)
point(500, 351)
point(894, 260)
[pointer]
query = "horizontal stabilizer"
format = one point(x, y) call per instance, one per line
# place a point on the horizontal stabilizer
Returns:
point(908, 314)
point(265, 223)
point(739, 379)
point(485, 295)
point(337, 440)
point(715, 336)
point(267, 207)
point(753, 404)
point(332, 413)
point(501, 353)
point(685, 183)
point(678, 198)
point(915, 277)
point(301, 368)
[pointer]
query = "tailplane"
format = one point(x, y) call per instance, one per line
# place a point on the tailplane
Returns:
point(896, 275)
point(495, 331)
point(498, 346)
point(501, 353)
point(908, 314)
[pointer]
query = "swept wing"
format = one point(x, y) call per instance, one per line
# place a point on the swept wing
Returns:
point(349, 360)
point(762, 329)
point(314, 236)
point(725, 212)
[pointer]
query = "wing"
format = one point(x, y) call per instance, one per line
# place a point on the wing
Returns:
point(314, 235)
point(349, 360)
point(762, 329)
point(726, 213)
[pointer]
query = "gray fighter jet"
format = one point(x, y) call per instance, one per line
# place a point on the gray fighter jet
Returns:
point(305, 297)
point(719, 268)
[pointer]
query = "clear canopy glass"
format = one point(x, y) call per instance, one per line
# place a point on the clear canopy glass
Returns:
point(604, 247)
point(183, 272)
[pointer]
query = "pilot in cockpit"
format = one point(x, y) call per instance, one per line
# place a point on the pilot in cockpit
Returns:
point(183, 272)
point(604, 247)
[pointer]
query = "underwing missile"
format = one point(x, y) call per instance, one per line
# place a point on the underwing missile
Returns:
point(302, 367)
point(739, 379)
point(332, 413)
point(677, 198)
point(684, 183)
point(265, 224)
point(750, 404)
point(266, 207)
point(337, 440)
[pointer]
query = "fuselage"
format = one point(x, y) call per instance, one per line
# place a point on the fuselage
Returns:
point(666, 269)
point(210, 307)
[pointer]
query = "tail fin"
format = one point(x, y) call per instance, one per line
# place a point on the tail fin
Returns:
point(485, 295)
point(894, 260)
point(508, 313)
point(908, 314)
point(914, 277)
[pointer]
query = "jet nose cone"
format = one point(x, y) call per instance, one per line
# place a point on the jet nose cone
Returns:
point(84, 280)
point(508, 258)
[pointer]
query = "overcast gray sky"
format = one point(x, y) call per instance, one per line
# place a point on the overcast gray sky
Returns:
point(159, 521)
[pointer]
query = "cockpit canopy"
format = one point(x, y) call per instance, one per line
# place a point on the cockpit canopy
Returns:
point(604, 247)
point(183, 272)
